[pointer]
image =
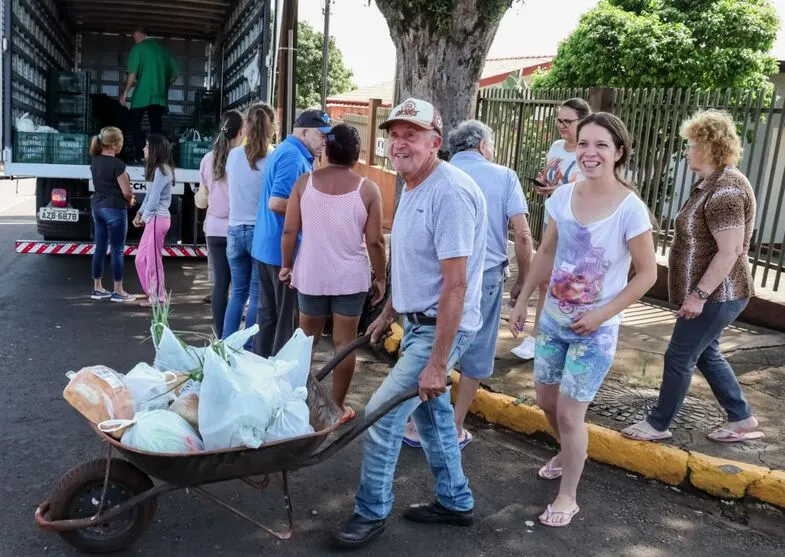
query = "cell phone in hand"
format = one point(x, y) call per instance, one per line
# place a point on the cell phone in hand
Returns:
point(536, 182)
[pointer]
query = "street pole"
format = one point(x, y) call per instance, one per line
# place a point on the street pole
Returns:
point(325, 52)
point(287, 71)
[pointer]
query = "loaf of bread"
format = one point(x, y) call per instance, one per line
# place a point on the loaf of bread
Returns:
point(187, 407)
point(99, 394)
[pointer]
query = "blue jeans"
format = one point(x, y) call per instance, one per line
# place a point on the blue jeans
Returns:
point(696, 342)
point(245, 279)
point(109, 227)
point(435, 423)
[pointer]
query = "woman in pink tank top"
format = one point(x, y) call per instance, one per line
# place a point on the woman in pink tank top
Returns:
point(340, 216)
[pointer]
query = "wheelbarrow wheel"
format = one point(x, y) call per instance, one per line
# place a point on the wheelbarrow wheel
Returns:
point(78, 495)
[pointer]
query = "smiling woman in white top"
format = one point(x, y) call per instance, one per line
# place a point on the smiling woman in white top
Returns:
point(598, 226)
point(561, 167)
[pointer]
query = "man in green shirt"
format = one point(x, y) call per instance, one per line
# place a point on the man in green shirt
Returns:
point(153, 70)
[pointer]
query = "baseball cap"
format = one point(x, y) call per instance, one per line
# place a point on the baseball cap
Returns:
point(415, 111)
point(314, 119)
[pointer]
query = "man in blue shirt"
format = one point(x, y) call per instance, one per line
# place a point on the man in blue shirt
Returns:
point(293, 157)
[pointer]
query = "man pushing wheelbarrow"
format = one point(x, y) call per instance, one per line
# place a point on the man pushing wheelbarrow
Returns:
point(438, 245)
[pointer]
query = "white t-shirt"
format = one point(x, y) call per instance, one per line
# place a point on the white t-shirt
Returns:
point(245, 187)
point(442, 218)
point(592, 262)
point(561, 167)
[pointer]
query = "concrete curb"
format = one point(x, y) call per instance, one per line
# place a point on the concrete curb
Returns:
point(723, 478)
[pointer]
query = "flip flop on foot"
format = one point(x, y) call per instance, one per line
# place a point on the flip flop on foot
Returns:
point(730, 434)
point(557, 519)
point(466, 439)
point(642, 431)
point(549, 471)
point(348, 414)
point(411, 437)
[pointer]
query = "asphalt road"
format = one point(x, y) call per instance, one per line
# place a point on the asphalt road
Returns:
point(48, 326)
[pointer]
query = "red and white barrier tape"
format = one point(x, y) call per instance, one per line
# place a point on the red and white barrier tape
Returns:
point(78, 248)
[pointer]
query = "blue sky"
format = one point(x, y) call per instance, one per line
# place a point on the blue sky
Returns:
point(530, 28)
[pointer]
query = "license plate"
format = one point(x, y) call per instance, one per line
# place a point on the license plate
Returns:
point(58, 214)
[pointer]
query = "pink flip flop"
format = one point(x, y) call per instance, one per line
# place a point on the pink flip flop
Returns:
point(729, 435)
point(549, 472)
point(549, 517)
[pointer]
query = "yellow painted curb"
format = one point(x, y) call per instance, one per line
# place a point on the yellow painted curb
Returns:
point(393, 342)
point(770, 489)
point(669, 464)
point(723, 478)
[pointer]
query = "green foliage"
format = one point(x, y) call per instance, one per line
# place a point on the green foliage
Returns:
point(309, 68)
point(668, 43)
point(514, 83)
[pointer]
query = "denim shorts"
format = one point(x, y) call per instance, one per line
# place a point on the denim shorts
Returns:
point(350, 305)
point(477, 361)
point(577, 363)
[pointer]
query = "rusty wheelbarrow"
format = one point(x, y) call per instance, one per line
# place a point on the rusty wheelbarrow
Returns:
point(106, 504)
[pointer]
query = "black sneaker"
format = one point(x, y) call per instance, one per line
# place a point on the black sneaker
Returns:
point(358, 531)
point(100, 294)
point(436, 513)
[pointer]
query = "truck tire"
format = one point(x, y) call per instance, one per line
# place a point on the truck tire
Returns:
point(78, 197)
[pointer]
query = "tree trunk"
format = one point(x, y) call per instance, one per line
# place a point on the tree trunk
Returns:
point(438, 62)
point(440, 58)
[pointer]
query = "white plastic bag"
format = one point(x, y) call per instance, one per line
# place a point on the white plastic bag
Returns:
point(293, 418)
point(156, 431)
point(25, 124)
point(298, 350)
point(172, 355)
point(237, 405)
point(150, 389)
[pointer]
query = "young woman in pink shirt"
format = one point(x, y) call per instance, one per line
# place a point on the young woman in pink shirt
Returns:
point(212, 174)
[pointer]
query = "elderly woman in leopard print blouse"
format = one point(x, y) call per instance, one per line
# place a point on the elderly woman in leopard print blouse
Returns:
point(709, 280)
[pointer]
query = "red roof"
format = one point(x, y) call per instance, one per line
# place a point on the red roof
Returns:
point(496, 70)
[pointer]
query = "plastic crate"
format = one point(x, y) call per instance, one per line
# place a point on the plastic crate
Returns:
point(72, 105)
point(32, 147)
point(74, 125)
point(69, 82)
point(189, 154)
point(70, 148)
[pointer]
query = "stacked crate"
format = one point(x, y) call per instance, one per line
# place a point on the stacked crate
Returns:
point(68, 106)
point(69, 111)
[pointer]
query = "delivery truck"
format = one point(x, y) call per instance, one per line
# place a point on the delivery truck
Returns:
point(63, 70)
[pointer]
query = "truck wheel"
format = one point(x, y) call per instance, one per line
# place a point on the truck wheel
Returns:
point(78, 494)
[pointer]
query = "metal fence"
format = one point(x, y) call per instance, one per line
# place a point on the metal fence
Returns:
point(381, 115)
point(524, 127)
point(360, 122)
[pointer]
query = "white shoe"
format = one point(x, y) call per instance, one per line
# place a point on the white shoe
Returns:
point(525, 350)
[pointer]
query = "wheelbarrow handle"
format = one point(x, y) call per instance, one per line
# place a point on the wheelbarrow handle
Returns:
point(359, 425)
point(344, 352)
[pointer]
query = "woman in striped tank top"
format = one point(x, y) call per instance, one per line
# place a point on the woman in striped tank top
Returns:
point(340, 216)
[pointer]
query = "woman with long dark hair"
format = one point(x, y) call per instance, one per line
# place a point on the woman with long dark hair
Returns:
point(244, 169)
point(597, 226)
point(212, 173)
point(154, 216)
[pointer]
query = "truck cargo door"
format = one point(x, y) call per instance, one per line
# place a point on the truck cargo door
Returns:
point(5, 84)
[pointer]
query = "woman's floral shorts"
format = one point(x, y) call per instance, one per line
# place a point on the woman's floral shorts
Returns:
point(577, 363)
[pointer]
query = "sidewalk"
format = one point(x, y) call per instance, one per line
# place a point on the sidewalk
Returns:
point(730, 471)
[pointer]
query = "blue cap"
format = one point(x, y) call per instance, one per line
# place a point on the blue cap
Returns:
point(314, 119)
